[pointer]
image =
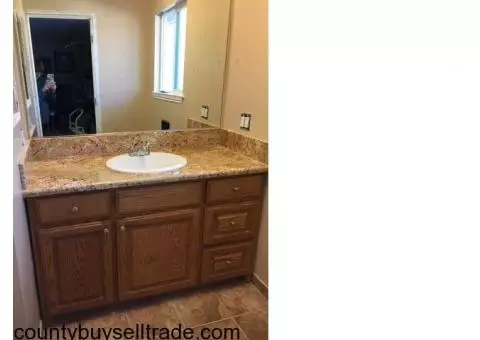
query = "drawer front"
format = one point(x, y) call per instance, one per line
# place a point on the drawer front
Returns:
point(234, 189)
point(164, 197)
point(227, 261)
point(231, 223)
point(72, 208)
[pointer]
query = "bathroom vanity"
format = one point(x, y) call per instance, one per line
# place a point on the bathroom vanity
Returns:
point(131, 237)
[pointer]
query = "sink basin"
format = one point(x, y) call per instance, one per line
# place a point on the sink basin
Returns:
point(155, 162)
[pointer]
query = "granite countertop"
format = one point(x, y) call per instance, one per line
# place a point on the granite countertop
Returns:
point(87, 173)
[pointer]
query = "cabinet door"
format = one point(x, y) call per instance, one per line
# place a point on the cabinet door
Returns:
point(157, 253)
point(77, 266)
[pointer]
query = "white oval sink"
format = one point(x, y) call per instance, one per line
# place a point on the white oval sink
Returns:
point(155, 162)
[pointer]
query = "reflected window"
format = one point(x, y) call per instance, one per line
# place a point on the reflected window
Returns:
point(170, 35)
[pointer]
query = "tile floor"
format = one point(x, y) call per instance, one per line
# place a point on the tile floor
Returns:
point(234, 305)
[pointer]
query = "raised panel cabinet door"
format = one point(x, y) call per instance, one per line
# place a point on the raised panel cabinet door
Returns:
point(158, 253)
point(77, 266)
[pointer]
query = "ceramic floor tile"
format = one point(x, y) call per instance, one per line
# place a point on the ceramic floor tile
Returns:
point(201, 308)
point(224, 329)
point(255, 325)
point(242, 298)
point(232, 305)
point(114, 323)
point(161, 314)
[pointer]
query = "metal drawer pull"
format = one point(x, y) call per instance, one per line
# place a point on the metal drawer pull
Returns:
point(235, 188)
point(74, 209)
point(228, 262)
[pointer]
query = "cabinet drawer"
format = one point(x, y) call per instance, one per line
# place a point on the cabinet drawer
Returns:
point(230, 223)
point(227, 261)
point(234, 189)
point(72, 208)
point(164, 197)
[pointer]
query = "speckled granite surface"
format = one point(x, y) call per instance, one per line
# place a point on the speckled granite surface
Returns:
point(197, 124)
point(250, 147)
point(77, 164)
point(110, 144)
point(87, 173)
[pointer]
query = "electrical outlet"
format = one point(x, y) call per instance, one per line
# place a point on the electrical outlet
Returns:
point(245, 121)
point(206, 112)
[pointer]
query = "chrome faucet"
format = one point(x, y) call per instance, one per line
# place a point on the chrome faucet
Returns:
point(139, 148)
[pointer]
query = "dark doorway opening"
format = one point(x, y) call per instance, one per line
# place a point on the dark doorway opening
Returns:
point(63, 66)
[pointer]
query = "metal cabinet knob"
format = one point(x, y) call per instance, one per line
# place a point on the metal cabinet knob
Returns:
point(122, 228)
point(228, 262)
point(106, 231)
point(232, 223)
point(74, 209)
point(235, 189)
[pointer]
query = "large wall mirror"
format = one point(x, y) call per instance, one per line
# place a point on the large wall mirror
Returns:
point(120, 65)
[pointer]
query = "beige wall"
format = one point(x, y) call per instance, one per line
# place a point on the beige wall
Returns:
point(124, 49)
point(246, 89)
point(25, 305)
point(205, 54)
point(246, 85)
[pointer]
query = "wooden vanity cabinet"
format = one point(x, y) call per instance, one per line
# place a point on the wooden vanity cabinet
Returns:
point(232, 217)
point(157, 253)
point(99, 248)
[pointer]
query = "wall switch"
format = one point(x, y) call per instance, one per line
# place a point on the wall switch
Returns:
point(245, 121)
point(204, 111)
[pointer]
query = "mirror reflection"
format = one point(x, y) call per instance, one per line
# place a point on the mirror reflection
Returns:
point(113, 65)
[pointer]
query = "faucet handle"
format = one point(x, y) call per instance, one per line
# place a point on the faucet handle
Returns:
point(139, 147)
point(134, 147)
point(146, 148)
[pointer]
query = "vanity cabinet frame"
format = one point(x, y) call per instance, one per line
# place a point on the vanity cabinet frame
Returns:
point(210, 226)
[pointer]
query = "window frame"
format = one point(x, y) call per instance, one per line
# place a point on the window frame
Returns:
point(176, 97)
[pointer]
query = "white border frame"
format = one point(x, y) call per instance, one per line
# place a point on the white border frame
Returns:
point(19, 61)
point(94, 51)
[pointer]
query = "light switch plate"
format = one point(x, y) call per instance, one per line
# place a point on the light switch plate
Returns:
point(245, 121)
point(204, 111)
